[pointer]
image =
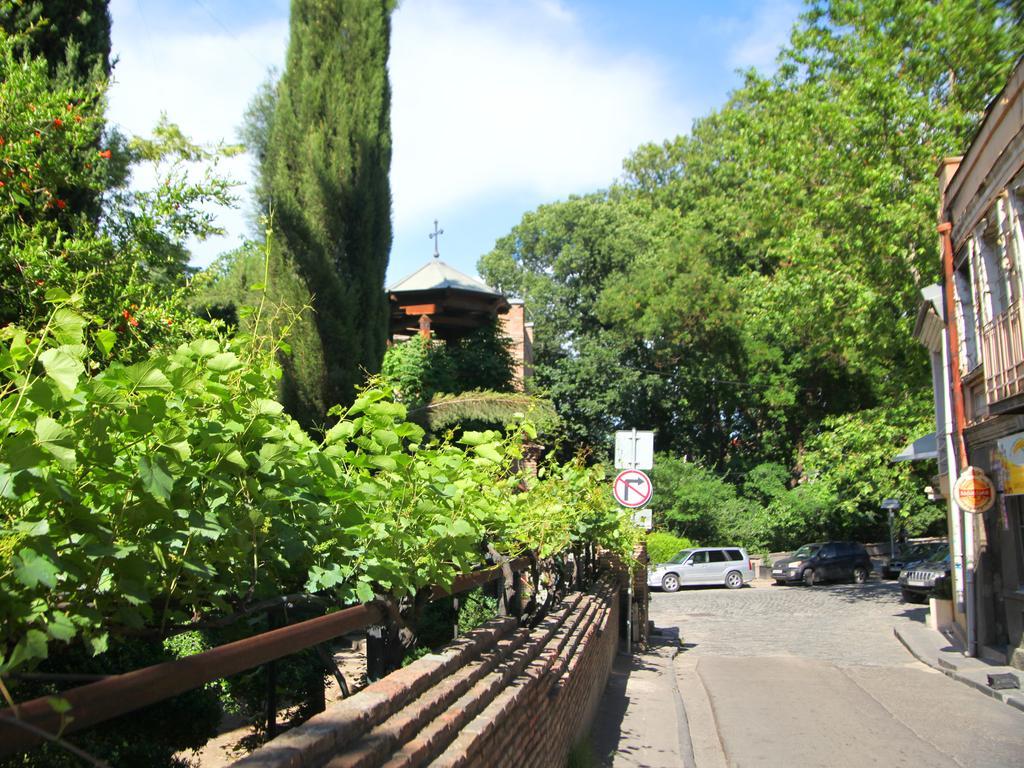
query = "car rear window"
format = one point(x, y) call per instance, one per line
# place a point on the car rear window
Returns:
point(717, 556)
point(734, 554)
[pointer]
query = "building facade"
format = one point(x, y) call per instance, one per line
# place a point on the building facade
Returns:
point(973, 325)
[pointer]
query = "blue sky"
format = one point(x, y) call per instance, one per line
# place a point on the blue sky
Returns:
point(497, 107)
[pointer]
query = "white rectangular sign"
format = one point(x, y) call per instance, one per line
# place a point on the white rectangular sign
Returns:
point(634, 449)
point(643, 518)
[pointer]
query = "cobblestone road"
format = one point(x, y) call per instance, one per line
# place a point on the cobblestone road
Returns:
point(782, 676)
point(843, 624)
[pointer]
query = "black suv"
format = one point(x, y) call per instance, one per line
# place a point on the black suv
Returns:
point(824, 561)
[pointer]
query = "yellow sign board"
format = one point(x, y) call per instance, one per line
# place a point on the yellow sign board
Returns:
point(1010, 455)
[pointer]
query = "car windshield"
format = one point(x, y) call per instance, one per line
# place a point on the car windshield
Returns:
point(680, 556)
point(807, 550)
point(939, 557)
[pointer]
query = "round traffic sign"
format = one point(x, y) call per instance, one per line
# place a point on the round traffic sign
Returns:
point(632, 488)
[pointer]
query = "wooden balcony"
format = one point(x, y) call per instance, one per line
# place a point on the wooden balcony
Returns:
point(1003, 355)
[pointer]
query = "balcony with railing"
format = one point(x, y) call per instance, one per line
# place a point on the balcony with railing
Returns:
point(1003, 355)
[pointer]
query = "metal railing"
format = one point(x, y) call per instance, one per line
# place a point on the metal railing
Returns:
point(1003, 354)
point(25, 726)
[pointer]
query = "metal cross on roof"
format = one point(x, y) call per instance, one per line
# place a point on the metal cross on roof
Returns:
point(436, 236)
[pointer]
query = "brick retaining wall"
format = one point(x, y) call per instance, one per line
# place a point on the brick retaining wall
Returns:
point(498, 696)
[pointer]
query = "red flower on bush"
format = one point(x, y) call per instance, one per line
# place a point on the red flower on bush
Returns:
point(128, 316)
point(61, 204)
point(58, 122)
point(105, 154)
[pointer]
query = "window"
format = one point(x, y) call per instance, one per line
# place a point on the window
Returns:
point(717, 556)
point(966, 318)
point(734, 554)
point(699, 558)
point(993, 278)
point(828, 551)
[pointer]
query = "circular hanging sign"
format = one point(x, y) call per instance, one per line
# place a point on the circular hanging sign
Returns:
point(974, 491)
point(632, 488)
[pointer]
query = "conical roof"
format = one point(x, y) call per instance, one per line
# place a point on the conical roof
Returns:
point(435, 275)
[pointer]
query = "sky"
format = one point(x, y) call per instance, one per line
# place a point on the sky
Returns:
point(497, 107)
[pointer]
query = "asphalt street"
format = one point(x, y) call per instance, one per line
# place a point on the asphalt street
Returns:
point(798, 676)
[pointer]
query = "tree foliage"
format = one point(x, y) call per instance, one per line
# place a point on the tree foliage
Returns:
point(749, 288)
point(325, 175)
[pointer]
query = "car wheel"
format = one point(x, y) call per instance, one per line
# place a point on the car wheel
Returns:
point(670, 583)
point(733, 580)
point(860, 575)
point(809, 578)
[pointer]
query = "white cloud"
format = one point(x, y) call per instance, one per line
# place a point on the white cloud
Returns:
point(203, 81)
point(488, 99)
point(765, 34)
point(516, 100)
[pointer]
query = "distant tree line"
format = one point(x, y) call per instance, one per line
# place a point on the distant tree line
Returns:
point(748, 288)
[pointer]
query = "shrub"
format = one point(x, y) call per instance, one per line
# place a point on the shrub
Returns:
point(662, 545)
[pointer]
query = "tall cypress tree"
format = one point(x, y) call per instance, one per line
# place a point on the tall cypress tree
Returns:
point(326, 174)
point(73, 37)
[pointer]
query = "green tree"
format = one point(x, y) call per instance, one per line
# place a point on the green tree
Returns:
point(74, 41)
point(73, 37)
point(747, 288)
point(326, 172)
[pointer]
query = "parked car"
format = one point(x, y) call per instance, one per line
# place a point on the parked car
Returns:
point(703, 565)
point(824, 561)
point(912, 553)
point(918, 579)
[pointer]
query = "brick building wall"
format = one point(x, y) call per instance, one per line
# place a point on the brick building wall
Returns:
point(520, 333)
point(502, 695)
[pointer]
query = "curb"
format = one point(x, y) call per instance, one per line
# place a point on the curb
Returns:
point(1014, 698)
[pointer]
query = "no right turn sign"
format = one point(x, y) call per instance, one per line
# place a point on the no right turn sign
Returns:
point(632, 488)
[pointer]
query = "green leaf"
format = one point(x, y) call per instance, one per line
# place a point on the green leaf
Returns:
point(56, 294)
point(474, 438)
point(145, 375)
point(98, 643)
point(364, 592)
point(33, 527)
point(60, 627)
point(340, 431)
point(67, 326)
point(224, 362)
point(56, 440)
point(105, 339)
point(33, 645)
point(268, 407)
point(31, 568)
point(22, 452)
point(488, 451)
point(383, 462)
point(64, 369)
point(385, 437)
point(59, 705)
point(156, 478)
point(205, 347)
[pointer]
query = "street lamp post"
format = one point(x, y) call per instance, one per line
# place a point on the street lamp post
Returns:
point(892, 506)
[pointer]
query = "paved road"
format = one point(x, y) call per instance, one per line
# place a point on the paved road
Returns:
point(785, 676)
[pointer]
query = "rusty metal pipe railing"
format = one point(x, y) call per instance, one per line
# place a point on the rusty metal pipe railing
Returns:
point(119, 695)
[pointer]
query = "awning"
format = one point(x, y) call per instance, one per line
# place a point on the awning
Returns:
point(926, 447)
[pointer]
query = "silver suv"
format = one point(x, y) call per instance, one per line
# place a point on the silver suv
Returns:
point(702, 565)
